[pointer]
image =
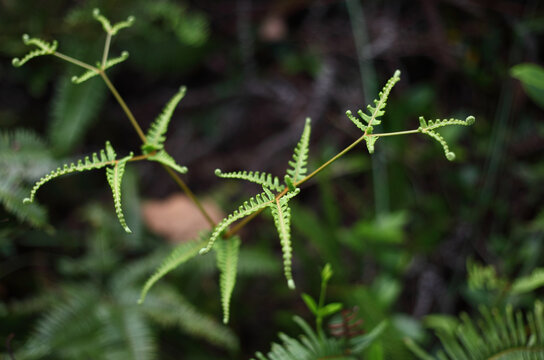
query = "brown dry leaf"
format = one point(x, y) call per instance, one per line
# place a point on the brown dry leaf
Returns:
point(177, 218)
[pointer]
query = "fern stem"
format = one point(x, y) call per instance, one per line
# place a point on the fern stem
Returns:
point(121, 102)
point(106, 50)
point(138, 129)
point(190, 194)
point(415, 131)
point(75, 61)
point(333, 159)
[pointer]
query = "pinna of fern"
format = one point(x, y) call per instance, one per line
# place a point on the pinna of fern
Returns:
point(426, 127)
point(107, 158)
point(277, 203)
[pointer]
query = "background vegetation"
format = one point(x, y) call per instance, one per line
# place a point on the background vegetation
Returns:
point(397, 227)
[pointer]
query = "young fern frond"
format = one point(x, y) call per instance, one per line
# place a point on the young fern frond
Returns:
point(282, 219)
point(155, 135)
point(254, 204)
point(374, 112)
point(10, 197)
point(179, 255)
point(227, 252)
point(300, 156)
point(428, 127)
point(498, 334)
point(164, 158)
point(106, 25)
point(261, 178)
point(115, 177)
point(92, 73)
point(45, 48)
point(106, 157)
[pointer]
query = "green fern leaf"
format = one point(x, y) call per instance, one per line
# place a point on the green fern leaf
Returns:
point(45, 48)
point(254, 204)
point(179, 255)
point(107, 157)
point(376, 111)
point(155, 135)
point(282, 219)
point(227, 252)
point(261, 178)
point(92, 73)
point(300, 156)
point(74, 110)
point(115, 177)
point(164, 158)
point(428, 127)
point(106, 25)
point(370, 140)
point(450, 155)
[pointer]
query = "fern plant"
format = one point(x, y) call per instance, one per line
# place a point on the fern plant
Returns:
point(153, 147)
point(499, 334)
point(274, 196)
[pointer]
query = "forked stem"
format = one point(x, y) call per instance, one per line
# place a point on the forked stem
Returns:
point(134, 123)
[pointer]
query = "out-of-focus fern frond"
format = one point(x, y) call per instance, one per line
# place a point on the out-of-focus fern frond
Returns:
point(45, 48)
point(169, 308)
point(309, 346)
point(528, 283)
point(227, 252)
point(74, 110)
point(106, 25)
point(11, 197)
point(261, 178)
point(179, 255)
point(497, 334)
point(164, 158)
point(298, 168)
point(155, 136)
point(115, 177)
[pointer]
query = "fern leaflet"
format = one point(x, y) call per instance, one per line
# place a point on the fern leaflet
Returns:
point(164, 158)
point(107, 157)
point(261, 178)
point(45, 48)
point(115, 176)
point(155, 135)
point(92, 73)
point(227, 252)
point(300, 156)
point(254, 204)
point(106, 25)
point(282, 219)
point(427, 127)
point(179, 255)
point(374, 112)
